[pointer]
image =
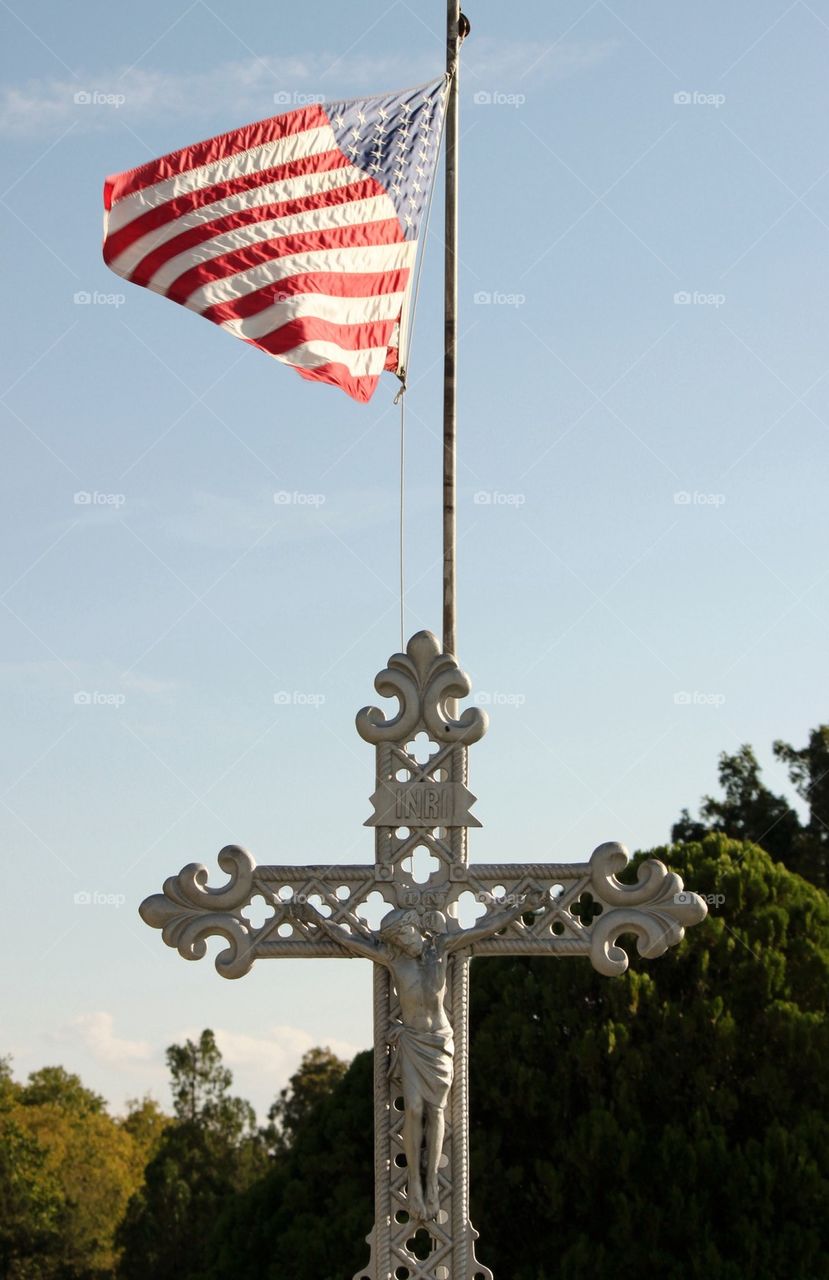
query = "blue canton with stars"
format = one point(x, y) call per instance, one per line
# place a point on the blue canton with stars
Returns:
point(394, 139)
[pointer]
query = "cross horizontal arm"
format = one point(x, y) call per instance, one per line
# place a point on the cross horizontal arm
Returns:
point(188, 911)
point(588, 910)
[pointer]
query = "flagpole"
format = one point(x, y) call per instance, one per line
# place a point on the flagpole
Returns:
point(453, 43)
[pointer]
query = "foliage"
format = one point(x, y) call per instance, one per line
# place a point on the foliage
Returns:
point(750, 811)
point(30, 1204)
point(809, 774)
point(53, 1085)
point(308, 1218)
point(675, 1117)
point(209, 1154)
point(145, 1122)
point(67, 1171)
point(316, 1077)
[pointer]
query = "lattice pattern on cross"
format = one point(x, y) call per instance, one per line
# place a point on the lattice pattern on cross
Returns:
point(439, 912)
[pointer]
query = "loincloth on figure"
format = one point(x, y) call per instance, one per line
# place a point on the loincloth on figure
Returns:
point(422, 1061)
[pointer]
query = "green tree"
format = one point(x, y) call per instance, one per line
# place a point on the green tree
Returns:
point(809, 773)
point(67, 1171)
point(64, 1090)
point(677, 1117)
point(145, 1122)
point(316, 1078)
point(91, 1158)
point(747, 811)
point(206, 1156)
point(308, 1217)
point(31, 1204)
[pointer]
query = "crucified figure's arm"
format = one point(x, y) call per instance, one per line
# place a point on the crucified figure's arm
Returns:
point(363, 944)
point(534, 900)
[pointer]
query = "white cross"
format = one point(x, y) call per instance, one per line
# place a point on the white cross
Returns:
point(422, 814)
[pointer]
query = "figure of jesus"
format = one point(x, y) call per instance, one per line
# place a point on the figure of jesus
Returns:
point(421, 1044)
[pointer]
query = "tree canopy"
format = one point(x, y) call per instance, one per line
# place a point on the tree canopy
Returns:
point(750, 811)
point(676, 1118)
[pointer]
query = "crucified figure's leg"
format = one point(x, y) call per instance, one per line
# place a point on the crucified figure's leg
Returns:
point(412, 1145)
point(435, 1126)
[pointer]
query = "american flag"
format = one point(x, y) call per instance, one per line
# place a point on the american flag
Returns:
point(297, 234)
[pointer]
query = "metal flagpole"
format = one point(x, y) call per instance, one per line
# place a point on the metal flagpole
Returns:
point(456, 28)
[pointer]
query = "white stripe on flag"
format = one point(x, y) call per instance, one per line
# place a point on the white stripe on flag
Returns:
point(307, 184)
point(293, 147)
point(360, 364)
point(354, 212)
point(318, 306)
point(362, 259)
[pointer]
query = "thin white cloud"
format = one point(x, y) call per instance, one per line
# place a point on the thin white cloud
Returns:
point(113, 1064)
point(276, 1054)
point(95, 1031)
point(262, 1065)
point(234, 92)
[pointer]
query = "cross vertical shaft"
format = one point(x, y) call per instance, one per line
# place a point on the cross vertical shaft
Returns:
point(438, 913)
point(450, 336)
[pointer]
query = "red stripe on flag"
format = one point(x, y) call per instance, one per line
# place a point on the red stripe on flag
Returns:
point(148, 265)
point(117, 241)
point(387, 231)
point(120, 185)
point(350, 337)
point(332, 284)
point(339, 375)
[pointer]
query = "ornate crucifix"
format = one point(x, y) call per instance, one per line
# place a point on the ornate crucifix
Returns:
point(421, 950)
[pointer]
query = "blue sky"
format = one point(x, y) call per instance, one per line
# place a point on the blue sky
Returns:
point(643, 446)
